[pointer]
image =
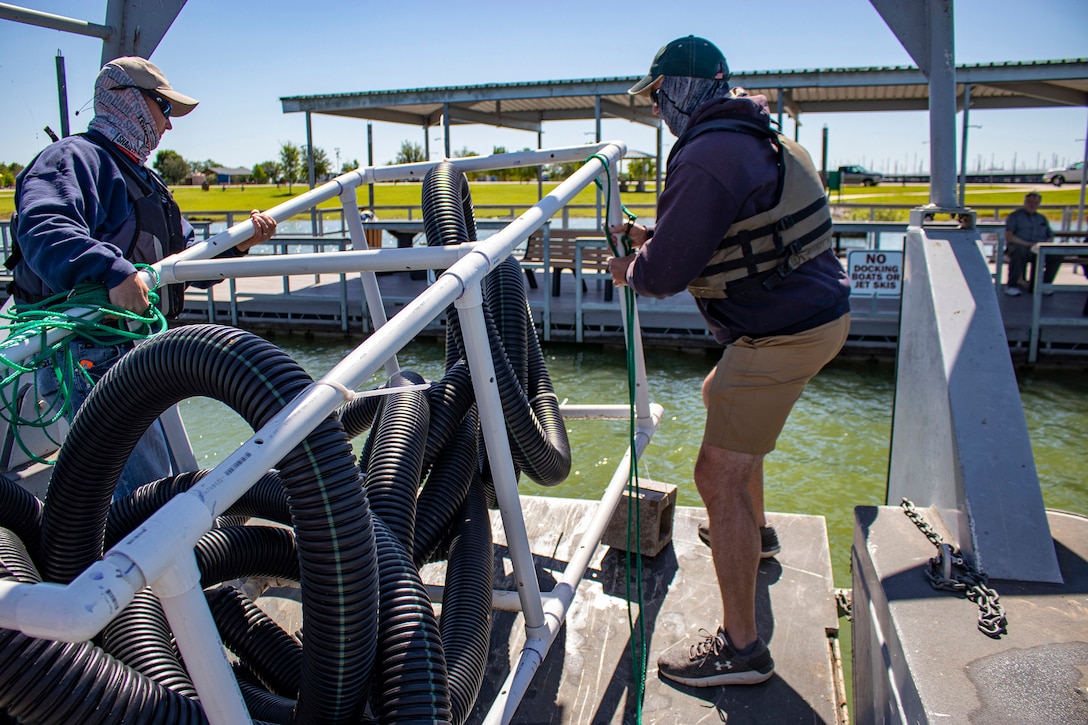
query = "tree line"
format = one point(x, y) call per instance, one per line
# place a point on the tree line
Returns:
point(637, 169)
point(291, 167)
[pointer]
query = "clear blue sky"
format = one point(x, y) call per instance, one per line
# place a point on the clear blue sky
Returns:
point(239, 58)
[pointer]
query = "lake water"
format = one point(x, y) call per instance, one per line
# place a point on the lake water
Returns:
point(832, 456)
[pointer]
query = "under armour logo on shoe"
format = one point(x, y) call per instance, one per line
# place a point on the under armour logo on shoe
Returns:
point(727, 665)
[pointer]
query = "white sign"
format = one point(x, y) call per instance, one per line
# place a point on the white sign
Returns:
point(875, 273)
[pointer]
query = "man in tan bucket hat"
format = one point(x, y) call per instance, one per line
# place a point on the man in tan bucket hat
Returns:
point(88, 210)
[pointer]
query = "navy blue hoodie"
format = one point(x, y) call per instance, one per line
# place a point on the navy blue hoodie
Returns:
point(715, 180)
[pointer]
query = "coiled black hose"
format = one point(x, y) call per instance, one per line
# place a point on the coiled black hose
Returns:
point(393, 471)
point(466, 603)
point(261, 644)
point(445, 489)
point(406, 443)
point(448, 216)
point(538, 446)
point(329, 510)
point(22, 511)
point(412, 685)
point(261, 703)
point(359, 414)
point(451, 399)
point(538, 438)
point(265, 499)
point(58, 683)
point(237, 552)
point(140, 637)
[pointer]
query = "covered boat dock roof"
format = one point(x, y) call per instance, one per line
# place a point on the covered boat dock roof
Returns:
point(527, 106)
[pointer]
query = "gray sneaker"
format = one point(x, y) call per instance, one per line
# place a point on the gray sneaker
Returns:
point(768, 539)
point(713, 661)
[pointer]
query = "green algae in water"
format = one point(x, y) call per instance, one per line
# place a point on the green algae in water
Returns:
point(831, 457)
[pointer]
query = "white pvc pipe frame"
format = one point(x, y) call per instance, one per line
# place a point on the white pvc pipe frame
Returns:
point(149, 555)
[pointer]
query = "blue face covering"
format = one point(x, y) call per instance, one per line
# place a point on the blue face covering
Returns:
point(681, 95)
point(122, 115)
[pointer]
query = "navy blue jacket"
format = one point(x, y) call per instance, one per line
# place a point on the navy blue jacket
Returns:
point(75, 218)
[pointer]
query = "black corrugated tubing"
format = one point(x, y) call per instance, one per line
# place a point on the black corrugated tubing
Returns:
point(541, 449)
point(22, 511)
point(393, 472)
point(59, 683)
point(126, 513)
point(465, 623)
point(140, 637)
point(236, 552)
point(273, 655)
point(451, 399)
point(262, 704)
point(411, 685)
point(448, 216)
point(359, 414)
point(543, 453)
point(445, 489)
point(329, 511)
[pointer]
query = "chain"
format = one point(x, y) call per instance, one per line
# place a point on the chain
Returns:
point(950, 571)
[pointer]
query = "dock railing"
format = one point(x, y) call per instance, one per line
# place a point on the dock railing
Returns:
point(1079, 255)
point(149, 556)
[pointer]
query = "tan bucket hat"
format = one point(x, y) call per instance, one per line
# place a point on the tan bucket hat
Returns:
point(147, 75)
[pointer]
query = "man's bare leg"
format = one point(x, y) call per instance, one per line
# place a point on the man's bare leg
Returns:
point(724, 479)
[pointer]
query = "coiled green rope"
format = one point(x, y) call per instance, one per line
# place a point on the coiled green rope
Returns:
point(25, 323)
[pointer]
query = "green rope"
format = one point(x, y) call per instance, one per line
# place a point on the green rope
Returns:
point(634, 513)
point(30, 323)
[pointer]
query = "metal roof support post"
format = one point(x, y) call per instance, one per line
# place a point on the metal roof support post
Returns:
point(1083, 181)
point(370, 161)
point(963, 143)
point(139, 26)
point(925, 29)
point(823, 155)
point(539, 170)
point(942, 105)
point(62, 93)
point(310, 168)
point(446, 130)
point(597, 138)
point(781, 106)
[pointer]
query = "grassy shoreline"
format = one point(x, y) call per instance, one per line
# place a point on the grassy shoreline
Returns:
point(393, 200)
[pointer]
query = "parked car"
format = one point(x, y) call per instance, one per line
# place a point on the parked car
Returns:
point(1073, 172)
point(859, 175)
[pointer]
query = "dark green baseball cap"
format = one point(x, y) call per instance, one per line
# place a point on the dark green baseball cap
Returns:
point(690, 57)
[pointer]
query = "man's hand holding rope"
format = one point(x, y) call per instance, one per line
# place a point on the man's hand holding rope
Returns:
point(631, 236)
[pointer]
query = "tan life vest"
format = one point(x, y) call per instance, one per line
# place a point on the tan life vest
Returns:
point(765, 248)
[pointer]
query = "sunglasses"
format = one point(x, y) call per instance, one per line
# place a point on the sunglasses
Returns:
point(656, 95)
point(164, 105)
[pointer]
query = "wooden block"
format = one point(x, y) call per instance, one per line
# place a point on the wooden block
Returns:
point(656, 509)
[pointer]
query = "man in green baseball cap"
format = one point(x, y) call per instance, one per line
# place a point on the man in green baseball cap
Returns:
point(744, 226)
point(690, 57)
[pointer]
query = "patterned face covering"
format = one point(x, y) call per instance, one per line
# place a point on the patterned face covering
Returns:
point(680, 96)
point(122, 115)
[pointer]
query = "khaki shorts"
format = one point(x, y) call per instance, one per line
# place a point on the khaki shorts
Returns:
point(756, 383)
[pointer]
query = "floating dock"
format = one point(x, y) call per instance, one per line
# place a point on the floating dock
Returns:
point(588, 676)
point(317, 303)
